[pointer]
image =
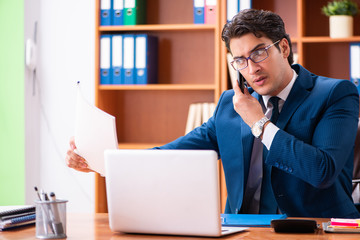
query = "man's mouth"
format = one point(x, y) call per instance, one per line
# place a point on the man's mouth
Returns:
point(259, 81)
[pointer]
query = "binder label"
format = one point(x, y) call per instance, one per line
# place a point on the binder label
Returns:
point(118, 4)
point(140, 52)
point(129, 3)
point(129, 52)
point(199, 3)
point(105, 4)
point(105, 52)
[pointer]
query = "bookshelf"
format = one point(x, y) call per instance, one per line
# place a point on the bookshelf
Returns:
point(189, 72)
point(193, 68)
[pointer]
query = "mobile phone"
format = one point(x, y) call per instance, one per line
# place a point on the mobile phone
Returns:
point(241, 81)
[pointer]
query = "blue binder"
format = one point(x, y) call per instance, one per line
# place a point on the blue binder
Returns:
point(129, 58)
point(105, 8)
point(249, 220)
point(117, 59)
point(146, 59)
point(105, 59)
point(117, 12)
point(355, 64)
point(199, 17)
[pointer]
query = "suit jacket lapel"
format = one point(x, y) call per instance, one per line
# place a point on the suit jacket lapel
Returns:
point(298, 94)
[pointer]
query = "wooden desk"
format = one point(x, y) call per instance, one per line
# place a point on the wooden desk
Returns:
point(96, 227)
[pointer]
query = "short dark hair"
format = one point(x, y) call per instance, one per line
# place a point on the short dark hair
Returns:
point(258, 22)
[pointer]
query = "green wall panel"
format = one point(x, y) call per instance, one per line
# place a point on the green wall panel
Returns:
point(12, 133)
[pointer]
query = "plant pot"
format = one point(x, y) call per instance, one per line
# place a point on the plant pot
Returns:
point(341, 26)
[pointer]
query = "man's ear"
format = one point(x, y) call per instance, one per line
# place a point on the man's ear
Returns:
point(285, 48)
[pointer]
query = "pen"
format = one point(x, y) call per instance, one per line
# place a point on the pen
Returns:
point(43, 211)
point(56, 222)
point(37, 192)
point(47, 210)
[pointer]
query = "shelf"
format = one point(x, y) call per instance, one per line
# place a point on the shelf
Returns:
point(326, 39)
point(139, 145)
point(159, 87)
point(151, 115)
point(161, 27)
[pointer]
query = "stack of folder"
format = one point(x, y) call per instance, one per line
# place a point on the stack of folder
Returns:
point(235, 6)
point(122, 12)
point(198, 114)
point(128, 59)
point(205, 11)
point(16, 216)
point(342, 225)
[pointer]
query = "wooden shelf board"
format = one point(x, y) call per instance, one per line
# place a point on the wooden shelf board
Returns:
point(328, 39)
point(139, 145)
point(160, 27)
point(158, 87)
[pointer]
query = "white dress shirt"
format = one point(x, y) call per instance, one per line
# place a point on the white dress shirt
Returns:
point(271, 129)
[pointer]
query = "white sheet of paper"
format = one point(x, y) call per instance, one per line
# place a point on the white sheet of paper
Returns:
point(95, 131)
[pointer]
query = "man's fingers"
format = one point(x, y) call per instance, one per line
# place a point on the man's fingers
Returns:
point(75, 161)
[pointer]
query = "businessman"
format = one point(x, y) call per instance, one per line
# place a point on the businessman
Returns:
point(287, 141)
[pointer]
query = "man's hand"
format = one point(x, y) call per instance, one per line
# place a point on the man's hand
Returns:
point(247, 106)
point(74, 161)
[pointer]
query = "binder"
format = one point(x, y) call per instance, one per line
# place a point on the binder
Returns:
point(191, 118)
point(117, 61)
point(17, 222)
point(146, 59)
point(15, 216)
point(245, 4)
point(117, 12)
point(205, 112)
point(198, 113)
point(210, 11)
point(134, 12)
point(105, 59)
point(249, 220)
point(129, 58)
point(105, 17)
point(199, 11)
point(355, 64)
point(232, 8)
point(11, 211)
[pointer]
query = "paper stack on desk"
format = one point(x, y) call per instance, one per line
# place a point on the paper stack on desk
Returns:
point(16, 216)
point(342, 225)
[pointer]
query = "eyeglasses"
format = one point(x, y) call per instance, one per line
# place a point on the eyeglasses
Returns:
point(256, 56)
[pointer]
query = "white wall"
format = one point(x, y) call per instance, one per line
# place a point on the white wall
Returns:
point(65, 55)
point(32, 109)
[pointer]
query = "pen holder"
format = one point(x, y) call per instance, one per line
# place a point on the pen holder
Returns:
point(51, 219)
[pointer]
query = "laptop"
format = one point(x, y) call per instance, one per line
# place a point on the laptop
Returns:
point(167, 192)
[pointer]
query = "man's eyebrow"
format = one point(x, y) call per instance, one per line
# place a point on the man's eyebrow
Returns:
point(257, 46)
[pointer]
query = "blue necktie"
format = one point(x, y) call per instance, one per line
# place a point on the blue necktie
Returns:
point(268, 203)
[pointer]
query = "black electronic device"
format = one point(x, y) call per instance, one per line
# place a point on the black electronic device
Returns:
point(241, 81)
point(294, 225)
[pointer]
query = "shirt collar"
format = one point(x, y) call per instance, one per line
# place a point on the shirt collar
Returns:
point(285, 92)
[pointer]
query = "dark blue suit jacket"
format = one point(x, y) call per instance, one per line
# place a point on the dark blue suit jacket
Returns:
point(311, 155)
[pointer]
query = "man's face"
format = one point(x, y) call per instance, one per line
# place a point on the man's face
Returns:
point(270, 76)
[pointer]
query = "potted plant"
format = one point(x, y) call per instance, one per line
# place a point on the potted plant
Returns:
point(340, 13)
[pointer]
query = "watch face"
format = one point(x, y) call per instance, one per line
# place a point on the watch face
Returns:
point(256, 131)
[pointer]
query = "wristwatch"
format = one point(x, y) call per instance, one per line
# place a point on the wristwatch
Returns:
point(257, 128)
